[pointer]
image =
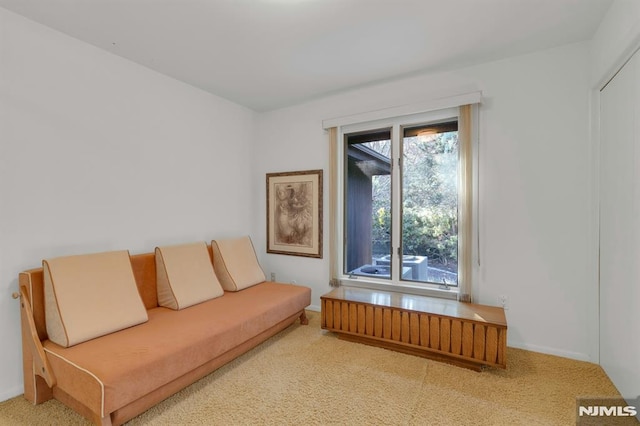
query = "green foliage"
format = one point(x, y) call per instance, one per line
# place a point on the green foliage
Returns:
point(429, 200)
point(430, 233)
point(381, 232)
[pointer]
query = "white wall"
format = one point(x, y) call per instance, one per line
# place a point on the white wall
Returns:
point(535, 197)
point(98, 153)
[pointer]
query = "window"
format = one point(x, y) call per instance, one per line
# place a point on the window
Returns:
point(402, 187)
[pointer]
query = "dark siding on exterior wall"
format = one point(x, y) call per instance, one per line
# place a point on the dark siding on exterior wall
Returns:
point(358, 219)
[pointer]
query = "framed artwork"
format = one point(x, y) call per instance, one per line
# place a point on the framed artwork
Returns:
point(294, 213)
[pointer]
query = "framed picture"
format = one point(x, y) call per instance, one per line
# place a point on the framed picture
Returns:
point(294, 213)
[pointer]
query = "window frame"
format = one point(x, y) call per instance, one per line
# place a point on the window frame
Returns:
point(396, 124)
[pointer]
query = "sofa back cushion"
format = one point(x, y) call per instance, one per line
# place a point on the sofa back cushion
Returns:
point(185, 276)
point(90, 295)
point(236, 263)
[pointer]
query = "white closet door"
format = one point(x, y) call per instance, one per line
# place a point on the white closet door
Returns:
point(620, 229)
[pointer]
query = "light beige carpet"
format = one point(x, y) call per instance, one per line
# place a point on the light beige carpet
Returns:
point(305, 375)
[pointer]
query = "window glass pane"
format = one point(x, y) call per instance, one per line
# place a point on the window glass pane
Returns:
point(430, 204)
point(368, 204)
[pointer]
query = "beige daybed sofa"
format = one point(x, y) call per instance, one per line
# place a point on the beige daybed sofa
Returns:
point(110, 352)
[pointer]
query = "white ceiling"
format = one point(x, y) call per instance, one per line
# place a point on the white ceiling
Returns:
point(266, 54)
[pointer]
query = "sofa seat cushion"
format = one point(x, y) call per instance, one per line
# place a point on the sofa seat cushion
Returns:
point(119, 368)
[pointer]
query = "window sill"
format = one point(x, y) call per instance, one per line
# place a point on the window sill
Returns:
point(406, 288)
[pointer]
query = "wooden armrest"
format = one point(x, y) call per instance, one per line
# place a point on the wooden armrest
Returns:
point(40, 361)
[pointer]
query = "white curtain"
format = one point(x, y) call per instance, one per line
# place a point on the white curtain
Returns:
point(334, 262)
point(465, 203)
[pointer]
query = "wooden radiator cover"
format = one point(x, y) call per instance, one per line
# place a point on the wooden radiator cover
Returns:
point(465, 334)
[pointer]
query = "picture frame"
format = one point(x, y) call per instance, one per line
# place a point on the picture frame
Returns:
point(294, 213)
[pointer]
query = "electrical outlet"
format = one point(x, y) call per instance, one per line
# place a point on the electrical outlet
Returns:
point(273, 276)
point(503, 301)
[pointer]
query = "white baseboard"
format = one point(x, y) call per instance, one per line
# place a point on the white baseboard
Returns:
point(313, 308)
point(551, 351)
